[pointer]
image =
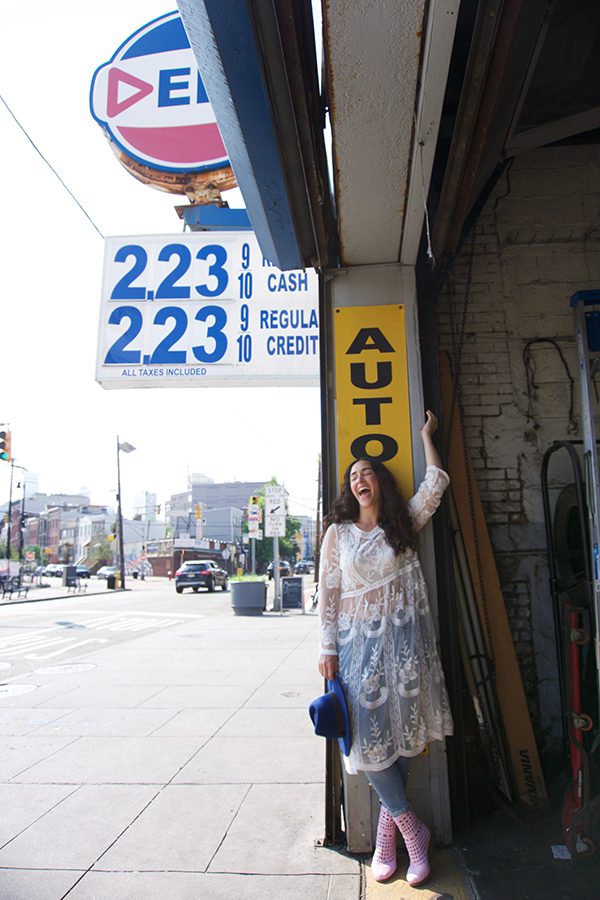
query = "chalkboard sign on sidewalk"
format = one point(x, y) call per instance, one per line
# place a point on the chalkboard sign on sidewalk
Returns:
point(291, 592)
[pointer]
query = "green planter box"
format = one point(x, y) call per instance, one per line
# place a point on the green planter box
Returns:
point(248, 598)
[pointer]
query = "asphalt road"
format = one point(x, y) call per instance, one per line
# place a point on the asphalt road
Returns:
point(56, 632)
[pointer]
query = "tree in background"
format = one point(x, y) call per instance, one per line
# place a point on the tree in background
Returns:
point(14, 550)
point(101, 550)
point(33, 548)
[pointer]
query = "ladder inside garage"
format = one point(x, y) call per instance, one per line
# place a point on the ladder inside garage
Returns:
point(586, 309)
point(576, 594)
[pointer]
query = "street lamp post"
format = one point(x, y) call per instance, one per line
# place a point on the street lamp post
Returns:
point(126, 448)
point(22, 526)
point(13, 466)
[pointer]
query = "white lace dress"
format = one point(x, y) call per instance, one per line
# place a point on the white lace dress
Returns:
point(374, 614)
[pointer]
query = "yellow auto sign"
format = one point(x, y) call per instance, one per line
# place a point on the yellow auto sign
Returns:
point(372, 398)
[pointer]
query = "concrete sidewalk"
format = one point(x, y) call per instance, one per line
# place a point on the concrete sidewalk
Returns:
point(181, 764)
point(178, 764)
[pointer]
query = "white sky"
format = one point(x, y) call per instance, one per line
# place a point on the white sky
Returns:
point(64, 425)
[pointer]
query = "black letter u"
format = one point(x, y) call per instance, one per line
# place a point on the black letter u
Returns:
point(358, 375)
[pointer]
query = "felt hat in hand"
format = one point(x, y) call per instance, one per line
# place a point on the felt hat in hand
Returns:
point(329, 715)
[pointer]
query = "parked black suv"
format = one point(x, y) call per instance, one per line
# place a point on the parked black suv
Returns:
point(199, 573)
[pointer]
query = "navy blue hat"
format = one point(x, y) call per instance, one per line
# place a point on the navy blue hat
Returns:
point(329, 715)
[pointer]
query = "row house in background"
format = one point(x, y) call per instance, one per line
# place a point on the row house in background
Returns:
point(57, 530)
point(68, 533)
point(39, 519)
point(90, 528)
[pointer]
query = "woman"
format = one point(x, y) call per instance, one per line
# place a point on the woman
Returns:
point(377, 633)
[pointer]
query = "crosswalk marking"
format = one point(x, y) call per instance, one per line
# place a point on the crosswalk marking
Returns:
point(72, 645)
point(30, 643)
point(56, 640)
point(135, 623)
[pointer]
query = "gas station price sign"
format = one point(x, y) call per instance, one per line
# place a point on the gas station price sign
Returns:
point(204, 309)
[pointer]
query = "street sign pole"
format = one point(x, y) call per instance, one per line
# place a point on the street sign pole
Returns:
point(277, 600)
point(275, 528)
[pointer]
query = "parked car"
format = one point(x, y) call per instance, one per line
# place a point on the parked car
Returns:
point(82, 571)
point(40, 570)
point(284, 568)
point(304, 567)
point(54, 569)
point(105, 571)
point(199, 573)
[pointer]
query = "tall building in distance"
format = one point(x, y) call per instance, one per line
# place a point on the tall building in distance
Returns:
point(199, 478)
point(307, 530)
point(214, 495)
point(211, 495)
point(144, 507)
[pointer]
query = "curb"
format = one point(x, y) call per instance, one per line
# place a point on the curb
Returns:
point(61, 597)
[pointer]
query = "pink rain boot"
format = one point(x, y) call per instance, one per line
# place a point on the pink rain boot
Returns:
point(416, 837)
point(383, 864)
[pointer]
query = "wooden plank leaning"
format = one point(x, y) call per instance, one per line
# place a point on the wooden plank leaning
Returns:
point(516, 721)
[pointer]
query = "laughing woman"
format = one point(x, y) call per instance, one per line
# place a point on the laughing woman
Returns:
point(377, 633)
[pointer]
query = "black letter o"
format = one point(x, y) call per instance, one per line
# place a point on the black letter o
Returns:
point(389, 447)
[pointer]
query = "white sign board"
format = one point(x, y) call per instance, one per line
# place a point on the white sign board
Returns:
point(274, 527)
point(204, 309)
point(274, 510)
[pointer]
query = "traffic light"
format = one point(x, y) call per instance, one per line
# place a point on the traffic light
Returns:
point(5, 446)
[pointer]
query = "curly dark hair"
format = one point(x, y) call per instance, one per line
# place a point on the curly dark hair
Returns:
point(394, 517)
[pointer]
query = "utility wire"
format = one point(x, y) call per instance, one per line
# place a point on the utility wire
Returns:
point(52, 169)
point(303, 502)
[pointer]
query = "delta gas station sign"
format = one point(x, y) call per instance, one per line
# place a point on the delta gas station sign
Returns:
point(151, 101)
point(198, 308)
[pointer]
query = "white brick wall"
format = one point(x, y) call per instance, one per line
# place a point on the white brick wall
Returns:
point(536, 243)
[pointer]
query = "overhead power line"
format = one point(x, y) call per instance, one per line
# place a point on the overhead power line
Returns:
point(51, 167)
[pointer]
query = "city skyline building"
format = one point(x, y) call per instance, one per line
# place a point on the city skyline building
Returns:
point(145, 506)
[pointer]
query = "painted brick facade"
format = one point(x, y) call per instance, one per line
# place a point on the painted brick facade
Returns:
point(536, 242)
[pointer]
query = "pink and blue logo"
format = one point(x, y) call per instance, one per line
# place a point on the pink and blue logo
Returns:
point(151, 100)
